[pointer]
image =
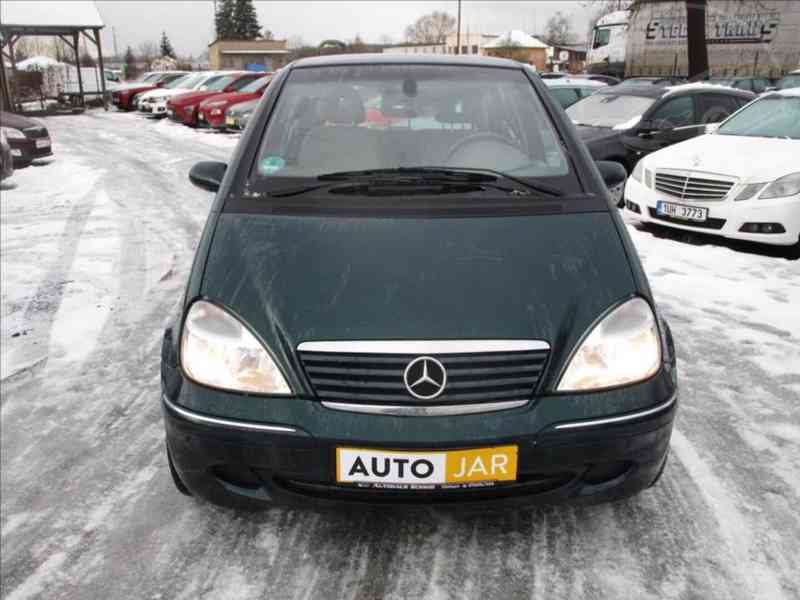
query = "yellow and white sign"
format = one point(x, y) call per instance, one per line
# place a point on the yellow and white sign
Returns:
point(479, 465)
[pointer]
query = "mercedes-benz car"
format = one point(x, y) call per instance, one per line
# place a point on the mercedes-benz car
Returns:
point(441, 308)
point(741, 180)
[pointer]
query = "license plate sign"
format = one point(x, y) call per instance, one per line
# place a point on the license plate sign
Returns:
point(681, 211)
point(396, 469)
point(45, 143)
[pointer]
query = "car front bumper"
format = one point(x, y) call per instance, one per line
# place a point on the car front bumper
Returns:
point(725, 217)
point(225, 460)
point(24, 152)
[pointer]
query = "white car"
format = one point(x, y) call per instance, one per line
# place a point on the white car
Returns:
point(154, 102)
point(741, 181)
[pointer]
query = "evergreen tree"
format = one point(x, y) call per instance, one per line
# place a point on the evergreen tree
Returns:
point(224, 20)
point(166, 46)
point(245, 20)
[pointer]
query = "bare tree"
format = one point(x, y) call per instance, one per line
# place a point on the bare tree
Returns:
point(295, 42)
point(559, 30)
point(431, 28)
point(147, 51)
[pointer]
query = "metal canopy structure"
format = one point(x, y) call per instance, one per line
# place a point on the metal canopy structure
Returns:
point(65, 19)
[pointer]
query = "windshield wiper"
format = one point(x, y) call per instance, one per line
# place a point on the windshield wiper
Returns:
point(445, 174)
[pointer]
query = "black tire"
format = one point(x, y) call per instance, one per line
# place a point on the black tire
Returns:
point(176, 479)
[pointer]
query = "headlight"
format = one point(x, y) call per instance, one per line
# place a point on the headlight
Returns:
point(219, 351)
point(623, 348)
point(13, 134)
point(749, 191)
point(638, 172)
point(785, 186)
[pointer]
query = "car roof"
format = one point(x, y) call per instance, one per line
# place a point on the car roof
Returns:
point(787, 93)
point(405, 59)
point(574, 82)
point(684, 88)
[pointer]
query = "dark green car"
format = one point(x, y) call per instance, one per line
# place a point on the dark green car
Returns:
point(412, 288)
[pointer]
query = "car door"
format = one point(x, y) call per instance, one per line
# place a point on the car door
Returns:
point(671, 120)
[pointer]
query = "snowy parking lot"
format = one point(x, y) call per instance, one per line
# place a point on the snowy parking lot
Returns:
point(96, 247)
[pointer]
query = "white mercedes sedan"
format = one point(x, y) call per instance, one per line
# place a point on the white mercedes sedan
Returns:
point(741, 180)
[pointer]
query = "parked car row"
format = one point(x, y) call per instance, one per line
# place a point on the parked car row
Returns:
point(24, 140)
point(197, 99)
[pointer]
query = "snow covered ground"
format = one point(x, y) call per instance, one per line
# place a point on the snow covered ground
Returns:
point(96, 247)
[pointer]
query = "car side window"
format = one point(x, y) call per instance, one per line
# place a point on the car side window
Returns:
point(676, 112)
point(760, 85)
point(240, 83)
point(587, 92)
point(716, 107)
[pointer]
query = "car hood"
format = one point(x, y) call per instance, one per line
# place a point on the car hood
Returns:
point(17, 121)
point(164, 93)
point(124, 87)
point(193, 97)
point(229, 98)
point(241, 108)
point(753, 159)
point(589, 133)
point(296, 279)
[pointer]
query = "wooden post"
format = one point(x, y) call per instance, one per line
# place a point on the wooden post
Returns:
point(76, 47)
point(458, 30)
point(14, 90)
point(102, 67)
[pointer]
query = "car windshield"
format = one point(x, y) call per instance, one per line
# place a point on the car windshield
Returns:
point(772, 117)
point(150, 77)
point(216, 84)
point(256, 85)
point(608, 110)
point(366, 117)
point(179, 82)
point(790, 81)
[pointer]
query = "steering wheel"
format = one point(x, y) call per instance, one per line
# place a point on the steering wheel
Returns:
point(496, 145)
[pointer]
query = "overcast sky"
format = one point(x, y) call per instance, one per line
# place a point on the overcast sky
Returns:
point(189, 23)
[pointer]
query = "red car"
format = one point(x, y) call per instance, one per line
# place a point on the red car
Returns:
point(184, 107)
point(124, 95)
point(211, 112)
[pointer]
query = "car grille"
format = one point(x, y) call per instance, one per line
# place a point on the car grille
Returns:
point(687, 187)
point(36, 132)
point(378, 378)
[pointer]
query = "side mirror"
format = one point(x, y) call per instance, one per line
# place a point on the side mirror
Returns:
point(613, 173)
point(207, 175)
point(711, 127)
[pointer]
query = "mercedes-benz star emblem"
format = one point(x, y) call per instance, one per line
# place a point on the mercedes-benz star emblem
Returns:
point(425, 378)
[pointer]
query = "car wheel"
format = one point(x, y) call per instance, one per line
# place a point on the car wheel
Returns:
point(176, 479)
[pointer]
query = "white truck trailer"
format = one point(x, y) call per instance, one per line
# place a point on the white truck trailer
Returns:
point(744, 38)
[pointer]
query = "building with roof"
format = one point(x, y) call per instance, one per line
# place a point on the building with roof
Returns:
point(520, 46)
point(247, 55)
point(67, 19)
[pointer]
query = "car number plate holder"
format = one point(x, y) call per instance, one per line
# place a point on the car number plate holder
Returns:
point(425, 470)
point(681, 211)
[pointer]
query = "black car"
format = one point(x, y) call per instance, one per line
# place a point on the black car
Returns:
point(625, 122)
point(29, 139)
point(757, 85)
point(442, 310)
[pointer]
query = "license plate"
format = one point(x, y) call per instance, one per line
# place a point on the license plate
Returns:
point(43, 143)
point(681, 211)
point(400, 469)
point(170, 112)
point(230, 121)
